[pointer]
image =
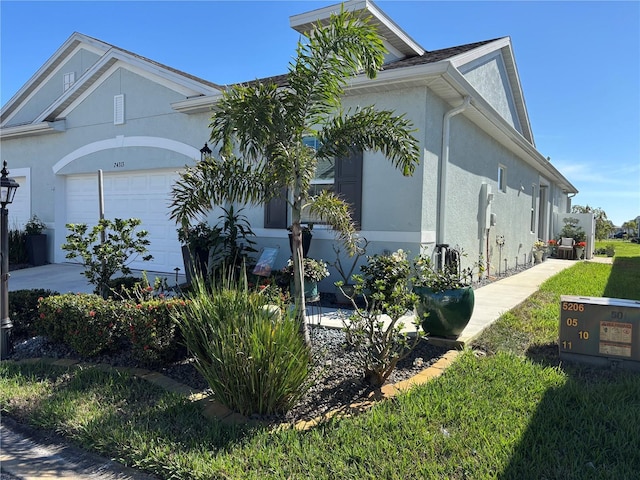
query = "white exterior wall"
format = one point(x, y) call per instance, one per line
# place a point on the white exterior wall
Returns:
point(488, 75)
point(53, 87)
point(474, 160)
point(153, 136)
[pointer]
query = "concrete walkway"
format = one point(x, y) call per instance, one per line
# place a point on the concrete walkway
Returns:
point(491, 301)
point(68, 278)
point(25, 458)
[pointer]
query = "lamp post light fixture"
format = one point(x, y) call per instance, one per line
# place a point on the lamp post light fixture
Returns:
point(8, 187)
point(205, 152)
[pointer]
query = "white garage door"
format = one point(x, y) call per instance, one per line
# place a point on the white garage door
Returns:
point(20, 209)
point(140, 194)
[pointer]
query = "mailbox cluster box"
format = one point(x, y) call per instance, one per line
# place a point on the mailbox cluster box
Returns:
point(600, 330)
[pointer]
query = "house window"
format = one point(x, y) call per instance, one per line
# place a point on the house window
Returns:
point(502, 178)
point(323, 180)
point(118, 109)
point(68, 80)
point(533, 208)
point(342, 176)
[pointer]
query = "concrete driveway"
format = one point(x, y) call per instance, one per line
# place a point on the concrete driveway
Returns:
point(67, 277)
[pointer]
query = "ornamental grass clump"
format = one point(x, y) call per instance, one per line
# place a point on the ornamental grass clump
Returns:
point(384, 286)
point(255, 361)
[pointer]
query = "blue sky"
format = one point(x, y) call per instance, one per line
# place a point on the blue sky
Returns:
point(579, 62)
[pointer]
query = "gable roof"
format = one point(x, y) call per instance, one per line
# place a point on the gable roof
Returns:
point(109, 55)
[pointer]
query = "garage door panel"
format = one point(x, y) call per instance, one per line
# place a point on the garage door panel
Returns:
point(143, 195)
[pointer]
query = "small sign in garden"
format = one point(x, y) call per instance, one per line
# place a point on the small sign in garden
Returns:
point(600, 331)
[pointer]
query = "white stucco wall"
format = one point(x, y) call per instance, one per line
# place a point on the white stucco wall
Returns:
point(488, 75)
point(53, 87)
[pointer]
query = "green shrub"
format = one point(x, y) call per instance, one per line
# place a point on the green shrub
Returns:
point(254, 361)
point(18, 247)
point(384, 286)
point(120, 286)
point(23, 310)
point(151, 329)
point(85, 322)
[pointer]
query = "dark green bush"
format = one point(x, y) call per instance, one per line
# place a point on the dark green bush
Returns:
point(17, 247)
point(255, 361)
point(121, 285)
point(23, 310)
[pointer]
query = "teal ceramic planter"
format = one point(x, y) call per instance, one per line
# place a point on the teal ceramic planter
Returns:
point(449, 311)
point(310, 289)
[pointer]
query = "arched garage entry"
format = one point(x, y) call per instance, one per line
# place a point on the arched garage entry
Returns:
point(137, 191)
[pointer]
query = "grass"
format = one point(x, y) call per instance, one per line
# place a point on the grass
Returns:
point(513, 413)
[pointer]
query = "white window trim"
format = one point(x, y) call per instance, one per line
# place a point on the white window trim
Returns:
point(502, 179)
point(533, 208)
point(68, 79)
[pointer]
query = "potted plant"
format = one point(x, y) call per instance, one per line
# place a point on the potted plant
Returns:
point(306, 238)
point(580, 246)
point(446, 299)
point(314, 271)
point(553, 245)
point(539, 247)
point(36, 241)
point(344, 288)
point(196, 242)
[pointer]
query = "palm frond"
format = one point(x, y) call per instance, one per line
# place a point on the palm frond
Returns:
point(371, 129)
point(251, 118)
point(214, 182)
point(333, 54)
point(330, 208)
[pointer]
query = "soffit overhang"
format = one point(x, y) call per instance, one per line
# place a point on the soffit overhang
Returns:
point(445, 81)
point(58, 58)
point(387, 28)
point(100, 70)
point(32, 129)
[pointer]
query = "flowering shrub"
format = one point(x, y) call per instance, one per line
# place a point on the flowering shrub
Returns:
point(581, 244)
point(91, 325)
point(23, 310)
point(151, 330)
point(539, 245)
point(315, 270)
point(85, 322)
point(552, 243)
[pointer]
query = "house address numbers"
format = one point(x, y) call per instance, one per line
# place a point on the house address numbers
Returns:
point(599, 327)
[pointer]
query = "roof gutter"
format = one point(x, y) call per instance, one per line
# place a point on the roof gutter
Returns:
point(444, 162)
point(31, 129)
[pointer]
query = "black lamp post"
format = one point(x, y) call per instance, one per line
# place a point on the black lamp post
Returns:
point(8, 187)
point(205, 152)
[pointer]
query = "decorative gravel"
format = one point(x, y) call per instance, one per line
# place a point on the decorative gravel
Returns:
point(338, 379)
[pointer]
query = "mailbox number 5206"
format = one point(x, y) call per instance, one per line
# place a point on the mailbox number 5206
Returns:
point(573, 307)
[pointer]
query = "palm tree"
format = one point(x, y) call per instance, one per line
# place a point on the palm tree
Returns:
point(260, 128)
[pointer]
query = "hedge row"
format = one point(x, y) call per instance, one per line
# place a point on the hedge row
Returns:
point(91, 325)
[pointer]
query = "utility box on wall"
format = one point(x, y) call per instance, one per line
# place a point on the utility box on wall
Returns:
point(600, 331)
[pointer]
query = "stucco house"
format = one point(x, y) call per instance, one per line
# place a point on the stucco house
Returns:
point(481, 185)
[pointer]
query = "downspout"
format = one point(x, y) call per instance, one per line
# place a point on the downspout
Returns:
point(444, 161)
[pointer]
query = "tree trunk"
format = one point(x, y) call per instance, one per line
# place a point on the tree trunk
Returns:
point(298, 273)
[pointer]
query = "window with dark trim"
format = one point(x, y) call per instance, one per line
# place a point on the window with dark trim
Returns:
point(341, 175)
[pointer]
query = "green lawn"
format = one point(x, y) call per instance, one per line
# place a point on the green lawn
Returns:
point(507, 410)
